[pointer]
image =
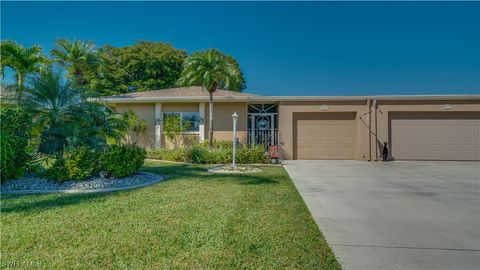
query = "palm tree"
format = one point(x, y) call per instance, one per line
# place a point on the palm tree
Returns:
point(211, 69)
point(23, 61)
point(77, 57)
point(51, 98)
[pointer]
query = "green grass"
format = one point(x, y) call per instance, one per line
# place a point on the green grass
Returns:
point(195, 220)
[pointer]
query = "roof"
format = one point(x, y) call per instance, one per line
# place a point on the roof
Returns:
point(192, 91)
point(197, 94)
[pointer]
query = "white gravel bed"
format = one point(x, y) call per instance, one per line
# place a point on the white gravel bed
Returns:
point(30, 182)
point(236, 169)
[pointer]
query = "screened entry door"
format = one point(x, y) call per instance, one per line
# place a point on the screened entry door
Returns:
point(262, 124)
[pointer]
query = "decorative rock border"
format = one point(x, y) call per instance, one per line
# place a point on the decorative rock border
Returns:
point(92, 185)
point(240, 169)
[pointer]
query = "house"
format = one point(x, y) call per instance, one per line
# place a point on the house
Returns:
point(436, 127)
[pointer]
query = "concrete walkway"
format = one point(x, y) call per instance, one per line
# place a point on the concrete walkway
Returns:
point(395, 215)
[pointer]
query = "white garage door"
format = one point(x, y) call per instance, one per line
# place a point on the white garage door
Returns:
point(325, 136)
point(435, 136)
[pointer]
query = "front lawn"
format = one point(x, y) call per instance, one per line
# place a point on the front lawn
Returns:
point(195, 220)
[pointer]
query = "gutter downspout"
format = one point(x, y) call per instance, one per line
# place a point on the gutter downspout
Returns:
point(376, 135)
point(369, 130)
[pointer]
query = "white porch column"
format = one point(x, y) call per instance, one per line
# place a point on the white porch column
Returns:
point(201, 111)
point(158, 125)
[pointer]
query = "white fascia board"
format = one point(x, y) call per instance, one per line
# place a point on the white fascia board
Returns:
point(289, 98)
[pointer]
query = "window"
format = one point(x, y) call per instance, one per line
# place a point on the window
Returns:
point(192, 118)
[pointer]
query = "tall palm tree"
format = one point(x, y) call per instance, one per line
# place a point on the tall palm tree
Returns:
point(76, 57)
point(23, 61)
point(211, 69)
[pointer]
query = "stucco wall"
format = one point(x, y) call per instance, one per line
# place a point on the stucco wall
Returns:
point(286, 132)
point(180, 107)
point(223, 125)
point(145, 111)
point(387, 107)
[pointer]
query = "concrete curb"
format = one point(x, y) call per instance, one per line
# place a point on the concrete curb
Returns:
point(81, 191)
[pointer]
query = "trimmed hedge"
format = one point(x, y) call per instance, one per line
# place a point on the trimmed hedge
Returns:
point(122, 160)
point(74, 164)
point(82, 162)
point(200, 154)
point(16, 131)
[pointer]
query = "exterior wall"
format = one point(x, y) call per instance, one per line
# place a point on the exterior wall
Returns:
point(286, 122)
point(180, 107)
point(379, 121)
point(145, 111)
point(222, 126)
point(386, 108)
point(222, 119)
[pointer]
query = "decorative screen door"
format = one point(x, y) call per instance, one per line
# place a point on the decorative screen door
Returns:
point(262, 124)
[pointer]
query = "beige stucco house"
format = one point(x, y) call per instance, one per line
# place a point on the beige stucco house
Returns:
point(443, 127)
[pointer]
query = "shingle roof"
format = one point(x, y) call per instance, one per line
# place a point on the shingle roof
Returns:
point(193, 91)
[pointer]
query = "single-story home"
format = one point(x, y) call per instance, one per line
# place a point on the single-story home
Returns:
point(428, 127)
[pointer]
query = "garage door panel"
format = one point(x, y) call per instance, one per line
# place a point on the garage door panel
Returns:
point(325, 138)
point(436, 138)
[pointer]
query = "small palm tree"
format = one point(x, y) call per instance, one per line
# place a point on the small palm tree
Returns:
point(51, 98)
point(211, 69)
point(77, 57)
point(23, 61)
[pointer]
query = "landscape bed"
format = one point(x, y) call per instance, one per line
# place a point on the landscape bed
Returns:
point(196, 219)
point(31, 183)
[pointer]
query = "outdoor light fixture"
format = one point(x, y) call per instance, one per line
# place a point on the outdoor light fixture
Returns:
point(234, 118)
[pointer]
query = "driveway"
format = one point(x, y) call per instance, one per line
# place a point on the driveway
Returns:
point(395, 215)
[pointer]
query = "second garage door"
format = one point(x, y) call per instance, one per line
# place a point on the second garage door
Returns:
point(324, 136)
point(435, 136)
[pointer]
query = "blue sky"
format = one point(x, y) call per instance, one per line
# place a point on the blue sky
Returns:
point(286, 48)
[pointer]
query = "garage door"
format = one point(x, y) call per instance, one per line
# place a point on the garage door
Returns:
point(324, 135)
point(435, 136)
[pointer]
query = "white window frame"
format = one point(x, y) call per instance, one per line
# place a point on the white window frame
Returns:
point(181, 122)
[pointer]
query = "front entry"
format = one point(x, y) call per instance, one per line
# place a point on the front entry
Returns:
point(262, 124)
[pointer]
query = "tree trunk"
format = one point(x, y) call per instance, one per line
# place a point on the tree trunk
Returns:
point(210, 121)
point(210, 109)
point(19, 87)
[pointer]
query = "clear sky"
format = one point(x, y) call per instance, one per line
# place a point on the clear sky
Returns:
point(286, 48)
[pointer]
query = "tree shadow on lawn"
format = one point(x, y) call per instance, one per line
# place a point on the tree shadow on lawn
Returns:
point(179, 171)
point(41, 202)
point(34, 202)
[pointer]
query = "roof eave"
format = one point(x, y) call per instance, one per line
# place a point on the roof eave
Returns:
point(288, 98)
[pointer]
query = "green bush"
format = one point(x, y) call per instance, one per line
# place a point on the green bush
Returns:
point(200, 154)
point(176, 154)
point(16, 130)
point(74, 164)
point(251, 155)
point(122, 160)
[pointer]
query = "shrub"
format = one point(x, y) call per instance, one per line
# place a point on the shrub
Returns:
point(16, 129)
point(251, 155)
point(122, 160)
point(176, 154)
point(200, 154)
point(74, 164)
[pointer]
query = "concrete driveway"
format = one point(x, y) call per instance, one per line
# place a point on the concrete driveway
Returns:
point(395, 215)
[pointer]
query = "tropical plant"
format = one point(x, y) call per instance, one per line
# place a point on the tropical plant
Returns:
point(77, 57)
point(122, 160)
point(173, 128)
point(15, 126)
point(133, 126)
point(64, 120)
point(23, 61)
point(140, 67)
point(50, 97)
point(75, 163)
point(212, 69)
